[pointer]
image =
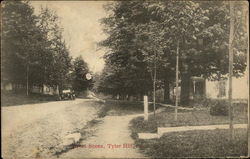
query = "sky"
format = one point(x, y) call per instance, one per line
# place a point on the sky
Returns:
point(82, 29)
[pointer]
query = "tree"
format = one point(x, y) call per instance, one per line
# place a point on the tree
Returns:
point(21, 41)
point(207, 22)
point(80, 69)
point(152, 47)
point(232, 38)
point(180, 22)
point(123, 54)
point(56, 61)
point(136, 30)
point(34, 52)
point(215, 38)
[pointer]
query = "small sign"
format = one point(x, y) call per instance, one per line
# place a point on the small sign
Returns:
point(88, 76)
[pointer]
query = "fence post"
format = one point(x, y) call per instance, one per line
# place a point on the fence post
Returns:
point(145, 107)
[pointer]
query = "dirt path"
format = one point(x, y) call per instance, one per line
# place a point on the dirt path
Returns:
point(111, 140)
point(37, 130)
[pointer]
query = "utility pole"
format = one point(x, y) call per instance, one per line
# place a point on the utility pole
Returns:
point(247, 24)
point(176, 82)
point(231, 34)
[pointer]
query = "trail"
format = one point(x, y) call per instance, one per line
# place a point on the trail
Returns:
point(113, 131)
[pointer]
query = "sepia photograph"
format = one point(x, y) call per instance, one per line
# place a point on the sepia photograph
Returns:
point(124, 79)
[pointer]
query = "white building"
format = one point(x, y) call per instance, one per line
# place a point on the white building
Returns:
point(216, 89)
point(200, 88)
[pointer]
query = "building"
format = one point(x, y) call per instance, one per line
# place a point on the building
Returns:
point(203, 88)
point(46, 90)
point(219, 89)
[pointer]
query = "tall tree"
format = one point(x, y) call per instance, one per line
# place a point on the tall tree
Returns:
point(34, 52)
point(200, 28)
point(21, 39)
point(56, 61)
point(80, 69)
point(123, 54)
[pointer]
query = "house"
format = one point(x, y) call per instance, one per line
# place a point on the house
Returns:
point(219, 89)
point(45, 89)
point(6, 86)
point(200, 88)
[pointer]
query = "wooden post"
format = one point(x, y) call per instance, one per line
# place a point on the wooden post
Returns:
point(146, 108)
point(231, 68)
point(176, 82)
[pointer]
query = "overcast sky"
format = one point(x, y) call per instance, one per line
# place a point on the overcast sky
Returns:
point(82, 29)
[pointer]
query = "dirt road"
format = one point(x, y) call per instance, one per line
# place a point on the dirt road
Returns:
point(37, 130)
point(111, 140)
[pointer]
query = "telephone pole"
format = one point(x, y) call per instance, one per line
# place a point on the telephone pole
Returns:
point(231, 34)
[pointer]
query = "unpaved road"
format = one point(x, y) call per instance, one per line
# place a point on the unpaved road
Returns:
point(111, 140)
point(37, 130)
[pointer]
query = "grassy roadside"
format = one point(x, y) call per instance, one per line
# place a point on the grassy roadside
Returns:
point(212, 143)
point(186, 118)
point(119, 107)
point(12, 99)
point(191, 143)
point(88, 130)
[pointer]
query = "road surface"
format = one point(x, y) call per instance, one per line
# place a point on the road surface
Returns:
point(111, 140)
point(37, 130)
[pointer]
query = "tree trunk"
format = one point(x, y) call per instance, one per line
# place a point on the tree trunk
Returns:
point(166, 90)
point(154, 82)
point(185, 89)
point(27, 80)
point(176, 82)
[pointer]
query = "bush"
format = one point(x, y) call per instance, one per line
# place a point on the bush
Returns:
point(219, 107)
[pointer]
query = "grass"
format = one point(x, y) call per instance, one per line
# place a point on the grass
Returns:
point(191, 143)
point(119, 107)
point(212, 143)
point(87, 131)
point(12, 99)
point(187, 118)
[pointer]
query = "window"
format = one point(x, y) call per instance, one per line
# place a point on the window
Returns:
point(221, 88)
point(47, 89)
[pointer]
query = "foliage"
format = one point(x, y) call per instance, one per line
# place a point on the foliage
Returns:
point(80, 69)
point(200, 143)
point(55, 58)
point(20, 40)
point(143, 36)
point(124, 60)
point(219, 107)
point(33, 50)
point(215, 37)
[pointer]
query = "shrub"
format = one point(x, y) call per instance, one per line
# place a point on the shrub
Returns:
point(219, 107)
point(201, 102)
